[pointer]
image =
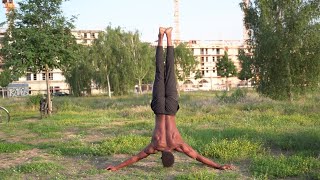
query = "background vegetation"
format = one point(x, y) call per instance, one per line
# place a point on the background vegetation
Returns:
point(262, 138)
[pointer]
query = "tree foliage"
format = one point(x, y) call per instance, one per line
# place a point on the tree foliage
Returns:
point(38, 38)
point(286, 43)
point(246, 63)
point(226, 68)
point(120, 60)
point(79, 72)
point(142, 58)
point(185, 61)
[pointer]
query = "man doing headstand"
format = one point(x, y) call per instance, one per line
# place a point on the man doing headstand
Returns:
point(166, 137)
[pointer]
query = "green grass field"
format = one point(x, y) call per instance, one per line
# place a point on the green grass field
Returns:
point(262, 138)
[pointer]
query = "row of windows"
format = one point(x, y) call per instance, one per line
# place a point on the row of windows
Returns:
point(206, 50)
point(34, 77)
point(207, 59)
point(52, 89)
point(207, 71)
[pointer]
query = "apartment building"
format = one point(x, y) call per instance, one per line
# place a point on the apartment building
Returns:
point(207, 54)
point(32, 84)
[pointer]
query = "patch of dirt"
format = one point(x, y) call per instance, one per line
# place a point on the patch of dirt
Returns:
point(13, 159)
point(32, 120)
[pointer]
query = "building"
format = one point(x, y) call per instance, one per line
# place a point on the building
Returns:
point(85, 37)
point(36, 83)
point(207, 54)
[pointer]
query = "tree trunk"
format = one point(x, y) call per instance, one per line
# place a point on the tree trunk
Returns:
point(289, 88)
point(48, 91)
point(227, 87)
point(109, 88)
point(140, 88)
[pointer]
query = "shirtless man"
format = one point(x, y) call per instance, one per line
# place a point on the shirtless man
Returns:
point(166, 137)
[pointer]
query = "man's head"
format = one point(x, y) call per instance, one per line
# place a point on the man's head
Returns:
point(167, 158)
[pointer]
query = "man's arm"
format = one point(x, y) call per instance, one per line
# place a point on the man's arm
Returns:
point(186, 149)
point(143, 154)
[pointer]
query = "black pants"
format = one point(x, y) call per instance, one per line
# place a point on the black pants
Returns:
point(164, 93)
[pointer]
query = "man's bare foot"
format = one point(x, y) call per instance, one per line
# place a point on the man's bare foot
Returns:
point(161, 31)
point(168, 31)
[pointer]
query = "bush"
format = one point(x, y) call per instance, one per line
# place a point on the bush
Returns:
point(34, 100)
point(236, 96)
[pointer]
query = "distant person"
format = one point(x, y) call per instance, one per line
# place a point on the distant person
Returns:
point(166, 137)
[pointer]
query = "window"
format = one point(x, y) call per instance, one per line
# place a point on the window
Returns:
point(44, 76)
point(85, 35)
point(202, 59)
point(201, 51)
point(213, 59)
point(93, 35)
point(206, 51)
point(218, 51)
point(34, 77)
point(51, 76)
point(207, 59)
point(30, 92)
point(28, 76)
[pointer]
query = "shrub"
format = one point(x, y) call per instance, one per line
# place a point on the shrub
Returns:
point(34, 100)
point(236, 96)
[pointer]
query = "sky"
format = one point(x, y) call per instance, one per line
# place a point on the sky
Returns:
point(199, 19)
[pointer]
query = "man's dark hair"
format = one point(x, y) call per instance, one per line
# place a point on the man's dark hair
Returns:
point(167, 158)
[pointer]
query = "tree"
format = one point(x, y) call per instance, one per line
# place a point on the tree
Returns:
point(226, 68)
point(79, 72)
point(246, 62)
point(39, 39)
point(113, 60)
point(286, 41)
point(142, 59)
point(185, 61)
point(102, 60)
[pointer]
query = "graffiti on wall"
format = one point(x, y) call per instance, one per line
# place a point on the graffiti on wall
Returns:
point(17, 90)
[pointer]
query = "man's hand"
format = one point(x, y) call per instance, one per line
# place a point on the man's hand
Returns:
point(226, 167)
point(111, 168)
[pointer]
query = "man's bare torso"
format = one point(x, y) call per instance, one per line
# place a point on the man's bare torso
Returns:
point(166, 136)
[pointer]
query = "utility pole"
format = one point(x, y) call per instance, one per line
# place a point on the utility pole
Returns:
point(176, 22)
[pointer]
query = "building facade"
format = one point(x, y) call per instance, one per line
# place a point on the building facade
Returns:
point(207, 54)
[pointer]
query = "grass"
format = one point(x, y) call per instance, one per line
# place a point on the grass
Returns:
point(262, 138)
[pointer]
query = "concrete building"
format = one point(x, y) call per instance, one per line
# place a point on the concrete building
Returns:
point(207, 54)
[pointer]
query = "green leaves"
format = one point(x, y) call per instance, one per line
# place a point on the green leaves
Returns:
point(185, 61)
point(226, 67)
point(285, 41)
point(38, 35)
point(121, 60)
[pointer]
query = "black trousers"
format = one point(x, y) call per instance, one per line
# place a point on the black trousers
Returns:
point(164, 93)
